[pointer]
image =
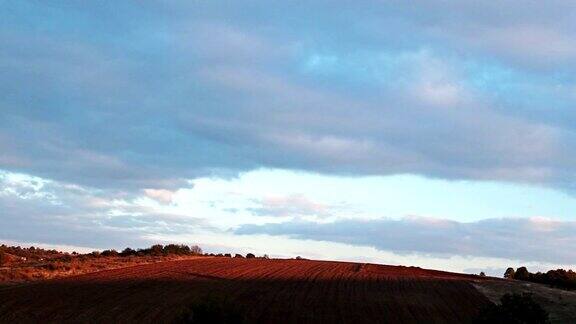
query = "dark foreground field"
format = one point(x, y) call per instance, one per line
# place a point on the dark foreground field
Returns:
point(264, 291)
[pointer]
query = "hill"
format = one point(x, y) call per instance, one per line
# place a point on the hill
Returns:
point(264, 291)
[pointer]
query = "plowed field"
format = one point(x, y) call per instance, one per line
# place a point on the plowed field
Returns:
point(267, 291)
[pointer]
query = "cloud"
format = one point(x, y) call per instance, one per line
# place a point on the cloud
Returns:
point(160, 195)
point(39, 210)
point(107, 110)
point(295, 205)
point(173, 96)
point(167, 94)
point(527, 239)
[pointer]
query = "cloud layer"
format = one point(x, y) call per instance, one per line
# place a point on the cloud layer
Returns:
point(37, 210)
point(107, 104)
point(527, 239)
point(134, 97)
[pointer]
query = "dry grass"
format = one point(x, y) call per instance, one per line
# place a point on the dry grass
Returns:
point(25, 271)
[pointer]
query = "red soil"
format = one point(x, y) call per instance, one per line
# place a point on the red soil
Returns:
point(268, 291)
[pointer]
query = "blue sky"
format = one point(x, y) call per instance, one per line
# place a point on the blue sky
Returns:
point(433, 133)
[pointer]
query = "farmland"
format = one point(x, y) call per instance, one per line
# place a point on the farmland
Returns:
point(265, 291)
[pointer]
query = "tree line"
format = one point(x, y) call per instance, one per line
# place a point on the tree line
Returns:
point(559, 278)
point(156, 250)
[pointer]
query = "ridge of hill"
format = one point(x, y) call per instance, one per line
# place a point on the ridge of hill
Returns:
point(266, 291)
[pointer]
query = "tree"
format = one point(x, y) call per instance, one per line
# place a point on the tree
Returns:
point(482, 274)
point(250, 256)
point(509, 274)
point(513, 308)
point(522, 274)
point(195, 249)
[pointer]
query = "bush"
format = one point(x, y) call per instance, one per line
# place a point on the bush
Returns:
point(127, 252)
point(156, 249)
point(109, 253)
point(514, 309)
point(250, 256)
point(238, 255)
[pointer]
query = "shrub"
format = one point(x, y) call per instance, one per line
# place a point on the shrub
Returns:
point(109, 253)
point(238, 255)
point(128, 251)
point(228, 255)
point(250, 256)
point(514, 309)
point(157, 249)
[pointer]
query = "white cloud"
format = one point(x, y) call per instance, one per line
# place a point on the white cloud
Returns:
point(161, 195)
point(294, 205)
point(524, 239)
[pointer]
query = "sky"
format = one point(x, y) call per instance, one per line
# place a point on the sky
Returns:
point(430, 133)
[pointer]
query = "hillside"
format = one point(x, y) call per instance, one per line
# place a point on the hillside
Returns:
point(265, 291)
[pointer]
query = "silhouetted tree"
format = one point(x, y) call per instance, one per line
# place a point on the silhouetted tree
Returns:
point(195, 249)
point(509, 274)
point(250, 256)
point(522, 274)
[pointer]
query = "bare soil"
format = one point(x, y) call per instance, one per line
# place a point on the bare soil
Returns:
point(267, 291)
